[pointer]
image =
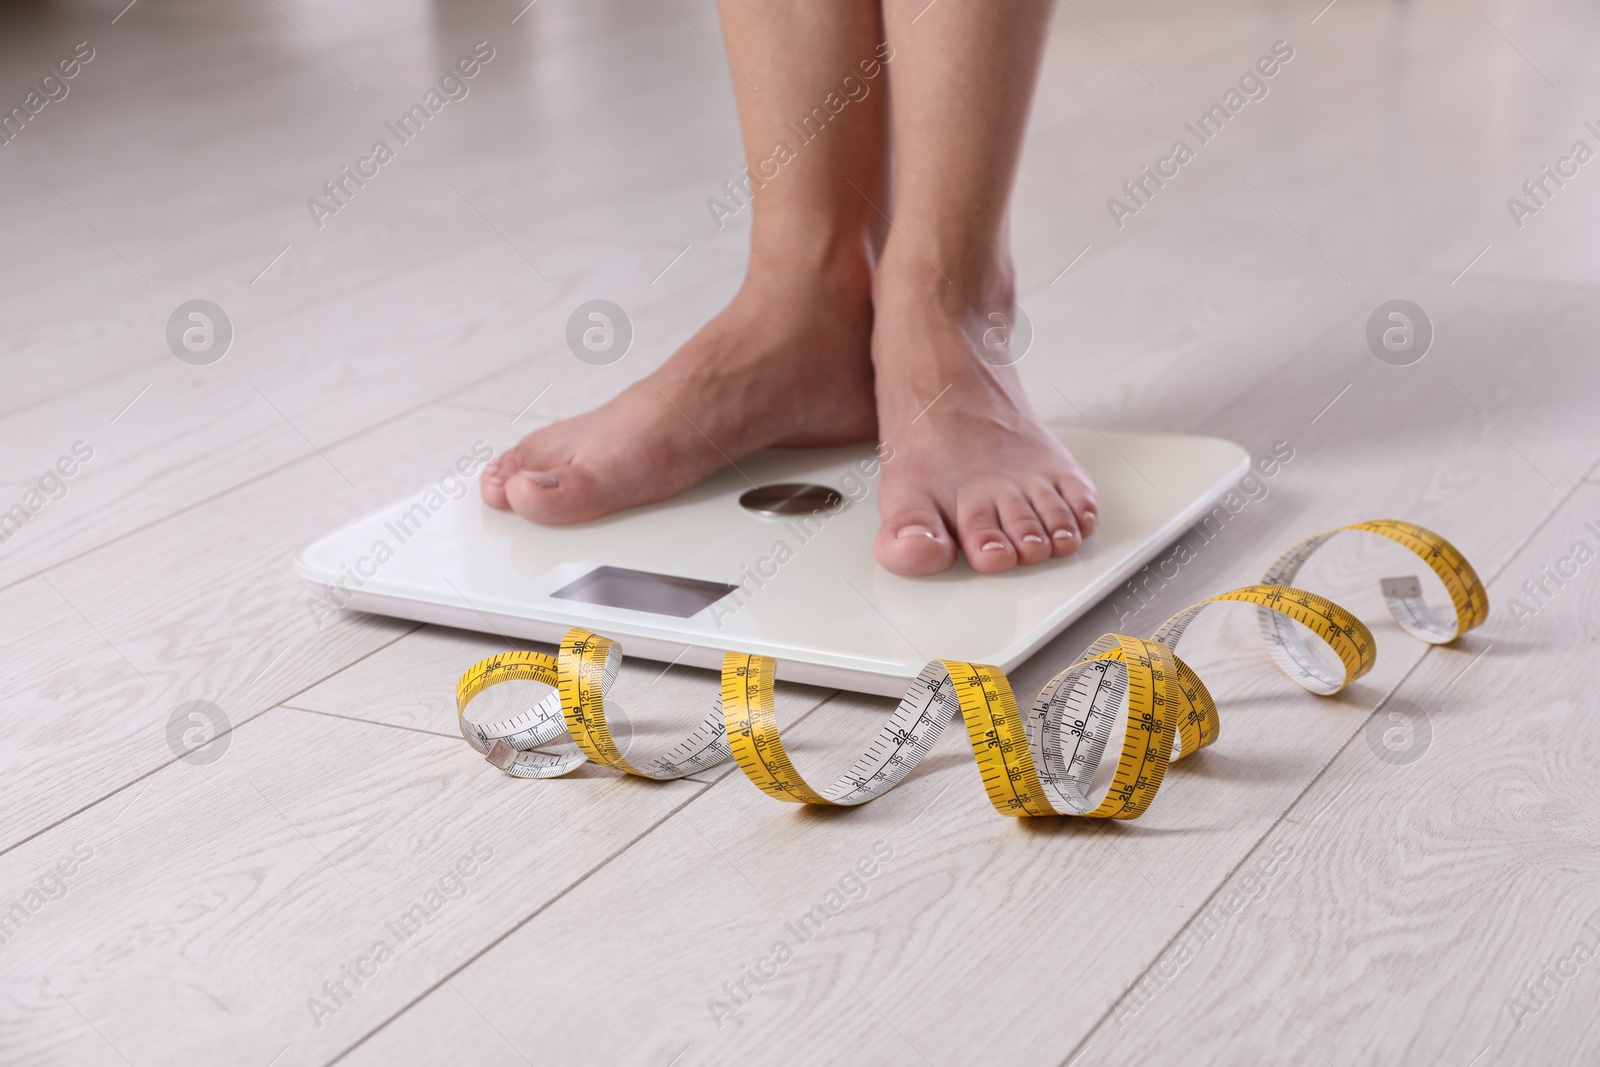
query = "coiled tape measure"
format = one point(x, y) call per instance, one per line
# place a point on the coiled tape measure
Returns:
point(1039, 763)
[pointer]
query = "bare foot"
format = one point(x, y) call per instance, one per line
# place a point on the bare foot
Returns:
point(785, 363)
point(973, 466)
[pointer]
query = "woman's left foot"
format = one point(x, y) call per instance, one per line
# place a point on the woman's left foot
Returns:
point(973, 467)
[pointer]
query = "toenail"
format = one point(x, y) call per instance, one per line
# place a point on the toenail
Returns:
point(1062, 535)
point(1032, 539)
point(542, 479)
point(915, 531)
point(993, 546)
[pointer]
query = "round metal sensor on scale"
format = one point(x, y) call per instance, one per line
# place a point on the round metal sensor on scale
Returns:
point(790, 498)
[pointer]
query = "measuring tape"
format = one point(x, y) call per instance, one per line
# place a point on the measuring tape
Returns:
point(1042, 762)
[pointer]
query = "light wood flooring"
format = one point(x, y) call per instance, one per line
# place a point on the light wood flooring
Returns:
point(1289, 898)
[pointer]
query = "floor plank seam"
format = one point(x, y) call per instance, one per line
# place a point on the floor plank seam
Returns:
point(132, 371)
point(646, 832)
point(477, 409)
point(1227, 878)
point(1317, 340)
point(1538, 283)
point(541, 909)
point(253, 479)
point(324, 297)
point(1208, 422)
point(148, 366)
point(303, 690)
point(163, 766)
point(371, 722)
point(1543, 521)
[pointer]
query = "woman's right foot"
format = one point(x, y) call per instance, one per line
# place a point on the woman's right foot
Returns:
point(973, 467)
point(787, 362)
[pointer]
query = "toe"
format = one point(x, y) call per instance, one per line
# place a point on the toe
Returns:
point(983, 539)
point(1060, 522)
point(492, 484)
point(556, 497)
point(508, 479)
point(913, 541)
point(1023, 528)
point(1079, 492)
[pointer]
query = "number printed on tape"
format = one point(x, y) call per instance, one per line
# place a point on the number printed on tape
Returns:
point(1039, 762)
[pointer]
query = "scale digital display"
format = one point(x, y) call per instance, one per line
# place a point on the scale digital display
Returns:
point(659, 594)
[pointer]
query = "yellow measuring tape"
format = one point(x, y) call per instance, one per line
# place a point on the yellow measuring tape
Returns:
point(1042, 762)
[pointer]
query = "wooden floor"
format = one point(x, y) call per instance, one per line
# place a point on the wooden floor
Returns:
point(1290, 897)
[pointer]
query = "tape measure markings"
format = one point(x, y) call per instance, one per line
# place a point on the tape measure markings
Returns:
point(589, 665)
point(510, 744)
point(748, 704)
point(1040, 763)
point(1403, 596)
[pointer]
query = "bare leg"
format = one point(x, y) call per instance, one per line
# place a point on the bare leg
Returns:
point(787, 362)
point(976, 469)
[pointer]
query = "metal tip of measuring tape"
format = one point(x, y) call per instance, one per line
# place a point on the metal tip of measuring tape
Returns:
point(501, 754)
point(1405, 588)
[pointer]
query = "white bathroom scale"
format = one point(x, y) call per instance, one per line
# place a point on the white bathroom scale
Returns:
point(784, 571)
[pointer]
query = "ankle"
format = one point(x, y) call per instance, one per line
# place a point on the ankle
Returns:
point(960, 287)
point(838, 262)
point(927, 328)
